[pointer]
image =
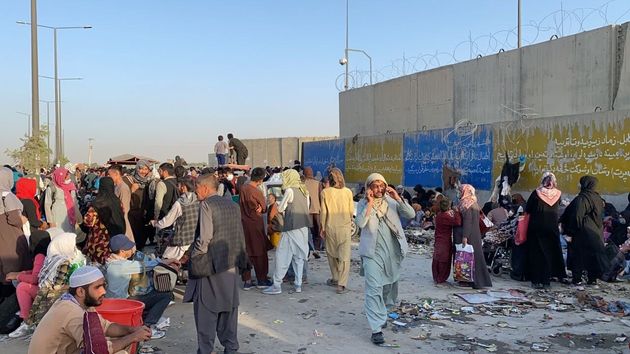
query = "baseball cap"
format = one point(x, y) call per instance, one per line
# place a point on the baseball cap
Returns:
point(121, 242)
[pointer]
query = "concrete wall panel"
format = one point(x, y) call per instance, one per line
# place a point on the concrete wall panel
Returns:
point(356, 112)
point(570, 75)
point(622, 63)
point(395, 108)
point(435, 98)
point(482, 87)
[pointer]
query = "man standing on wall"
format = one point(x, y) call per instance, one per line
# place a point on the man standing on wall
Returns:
point(239, 148)
point(221, 150)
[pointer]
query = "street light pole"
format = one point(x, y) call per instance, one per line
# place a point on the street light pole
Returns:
point(519, 24)
point(346, 50)
point(90, 147)
point(48, 127)
point(58, 128)
point(366, 54)
point(57, 103)
point(34, 70)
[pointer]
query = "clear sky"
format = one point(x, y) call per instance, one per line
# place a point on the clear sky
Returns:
point(165, 77)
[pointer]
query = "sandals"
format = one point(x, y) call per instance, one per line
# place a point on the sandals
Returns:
point(342, 290)
point(331, 282)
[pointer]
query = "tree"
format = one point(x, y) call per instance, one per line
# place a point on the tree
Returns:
point(34, 151)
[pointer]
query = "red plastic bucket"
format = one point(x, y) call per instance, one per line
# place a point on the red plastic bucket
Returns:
point(122, 311)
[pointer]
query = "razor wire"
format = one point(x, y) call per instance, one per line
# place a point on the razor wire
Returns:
point(554, 25)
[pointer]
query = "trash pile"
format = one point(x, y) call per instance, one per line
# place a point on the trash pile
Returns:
point(588, 341)
point(613, 308)
point(499, 303)
point(416, 235)
point(472, 344)
point(420, 241)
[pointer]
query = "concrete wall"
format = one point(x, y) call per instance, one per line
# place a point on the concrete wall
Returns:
point(621, 98)
point(571, 146)
point(567, 76)
point(276, 151)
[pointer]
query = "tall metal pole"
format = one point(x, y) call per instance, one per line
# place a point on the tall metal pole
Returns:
point(34, 70)
point(61, 140)
point(346, 50)
point(48, 135)
point(90, 147)
point(58, 152)
point(519, 24)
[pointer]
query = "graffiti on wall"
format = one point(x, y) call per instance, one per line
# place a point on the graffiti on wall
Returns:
point(597, 146)
point(382, 154)
point(426, 152)
point(320, 155)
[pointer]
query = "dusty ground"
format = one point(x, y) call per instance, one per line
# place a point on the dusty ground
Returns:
point(320, 321)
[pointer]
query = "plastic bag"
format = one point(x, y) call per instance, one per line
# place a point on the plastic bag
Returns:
point(464, 263)
point(521, 229)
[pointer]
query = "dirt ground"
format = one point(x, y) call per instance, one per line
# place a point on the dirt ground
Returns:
point(320, 321)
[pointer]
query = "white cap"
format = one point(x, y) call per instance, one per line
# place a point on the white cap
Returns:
point(84, 276)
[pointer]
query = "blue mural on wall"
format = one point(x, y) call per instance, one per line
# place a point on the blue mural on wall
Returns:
point(425, 152)
point(320, 155)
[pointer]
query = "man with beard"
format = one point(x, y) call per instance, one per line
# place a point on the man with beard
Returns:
point(123, 192)
point(382, 249)
point(217, 256)
point(62, 330)
point(239, 148)
point(253, 205)
point(140, 208)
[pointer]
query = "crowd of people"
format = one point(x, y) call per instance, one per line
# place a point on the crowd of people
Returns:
point(72, 237)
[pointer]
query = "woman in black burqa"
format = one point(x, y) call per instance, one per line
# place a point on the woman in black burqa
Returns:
point(543, 235)
point(109, 208)
point(583, 224)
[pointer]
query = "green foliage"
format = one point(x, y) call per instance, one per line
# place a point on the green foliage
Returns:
point(34, 151)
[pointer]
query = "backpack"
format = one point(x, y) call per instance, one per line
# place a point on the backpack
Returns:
point(164, 278)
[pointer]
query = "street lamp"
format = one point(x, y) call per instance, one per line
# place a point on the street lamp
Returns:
point(58, 150)
point(518, 40)
point(344, 60)
point(47, 126)
point(28, 122)
point(58, 137)
point(90, 147)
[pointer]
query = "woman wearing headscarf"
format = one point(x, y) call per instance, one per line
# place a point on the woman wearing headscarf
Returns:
point(26, 191)
point(293, 246)
point(28, 280)
point(382, 248)
point(471, 234)
point(138, 183)
point(62, 208)
point(336, 211)
point(583, 224)
point(62, 258)
point(104, 218)
point(14, 255)
point(543, 236)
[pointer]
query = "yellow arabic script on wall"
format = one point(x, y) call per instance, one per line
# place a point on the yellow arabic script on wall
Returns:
point(381, 154)
point(569, 149)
